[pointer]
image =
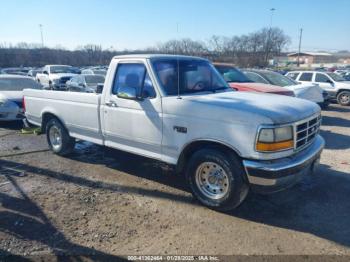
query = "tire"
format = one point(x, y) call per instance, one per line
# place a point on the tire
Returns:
point(343, 98)
point(58, 138)
point(217, 179)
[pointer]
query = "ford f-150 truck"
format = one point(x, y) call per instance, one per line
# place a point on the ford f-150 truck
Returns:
point(180, 110)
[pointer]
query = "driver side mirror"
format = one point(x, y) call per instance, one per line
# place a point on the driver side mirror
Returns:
point(330, 82)
point(127, 92)
point(45, 72)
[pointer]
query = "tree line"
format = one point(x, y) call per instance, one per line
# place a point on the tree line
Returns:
point(254, 49)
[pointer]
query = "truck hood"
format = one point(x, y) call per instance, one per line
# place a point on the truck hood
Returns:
point(242, 107)
point(308, 91)
point(343, 84)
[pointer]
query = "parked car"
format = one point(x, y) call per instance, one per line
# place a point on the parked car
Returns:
point(239, 81)
point(307, 91)
point(15, 71)
point(33, 72)
point(54, 77)
point(337, 87)
point(85, 83)
point(94, 71)
point(180, 110)
point(11, 95)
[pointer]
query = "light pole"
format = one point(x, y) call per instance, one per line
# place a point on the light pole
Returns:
point(300, 37)
point(41, 33)
point(268, 41)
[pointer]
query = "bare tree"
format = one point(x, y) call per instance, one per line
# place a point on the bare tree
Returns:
point(246, 50)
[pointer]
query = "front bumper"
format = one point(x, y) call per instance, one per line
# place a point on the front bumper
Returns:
point(275, 175)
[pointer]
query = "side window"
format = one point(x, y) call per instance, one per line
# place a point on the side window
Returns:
point(306, 77)
point(321, 78)
point(134, 76)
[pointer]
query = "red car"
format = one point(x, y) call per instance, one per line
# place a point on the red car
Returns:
point(239, 81)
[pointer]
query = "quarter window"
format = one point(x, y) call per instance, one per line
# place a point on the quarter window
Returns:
point(306, 77)
point(293, 75)
point(134, 76)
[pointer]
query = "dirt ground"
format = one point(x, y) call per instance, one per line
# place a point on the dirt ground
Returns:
point(105, 202)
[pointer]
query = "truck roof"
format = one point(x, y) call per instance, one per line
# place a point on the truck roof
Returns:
point(148, 56)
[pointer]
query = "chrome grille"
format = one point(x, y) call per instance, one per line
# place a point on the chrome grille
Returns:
point(306, 131)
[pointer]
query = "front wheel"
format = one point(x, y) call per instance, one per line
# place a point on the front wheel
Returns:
point(217, 179)
point(58, 138)
point(343, 98)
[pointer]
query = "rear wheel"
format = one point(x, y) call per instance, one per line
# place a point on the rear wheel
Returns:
point(217, 179)
point(343, 98)
point(58, 138)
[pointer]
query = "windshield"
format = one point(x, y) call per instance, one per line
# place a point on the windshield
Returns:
point(336, 77)
point(232, 74)
point(94, 79)
point(278, 79)
point(64, 69)
point(193, 76)
point(17, 84)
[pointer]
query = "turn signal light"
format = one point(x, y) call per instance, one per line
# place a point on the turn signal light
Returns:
point(276, 146)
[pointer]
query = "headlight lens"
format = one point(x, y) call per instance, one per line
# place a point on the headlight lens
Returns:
point(275, 139)
point(2, 102)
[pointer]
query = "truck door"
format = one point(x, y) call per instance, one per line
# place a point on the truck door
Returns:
point(131, 111)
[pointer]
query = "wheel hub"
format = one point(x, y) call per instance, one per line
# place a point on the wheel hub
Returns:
point(212, 180)
point(344, 98)
point(55, 137)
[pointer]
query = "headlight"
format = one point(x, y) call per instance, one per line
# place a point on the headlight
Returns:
point(2, 102)
point(275, 139)
point(56, 81)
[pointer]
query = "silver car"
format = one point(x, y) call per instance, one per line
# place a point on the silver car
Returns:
point(11, 95)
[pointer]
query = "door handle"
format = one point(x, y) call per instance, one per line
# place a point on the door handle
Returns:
point(111, 104)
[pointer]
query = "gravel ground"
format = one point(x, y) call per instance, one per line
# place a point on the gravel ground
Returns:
point(105, 202)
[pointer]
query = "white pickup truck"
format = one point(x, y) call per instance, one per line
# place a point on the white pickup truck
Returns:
point(180, 110)
point(54, 77)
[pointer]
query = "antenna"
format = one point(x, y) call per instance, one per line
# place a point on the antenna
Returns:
point(178, 62)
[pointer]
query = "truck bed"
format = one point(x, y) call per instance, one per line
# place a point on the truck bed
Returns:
point(79, 112)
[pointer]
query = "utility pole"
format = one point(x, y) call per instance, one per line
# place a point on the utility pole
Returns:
point(41, 33)
point(300, 37)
